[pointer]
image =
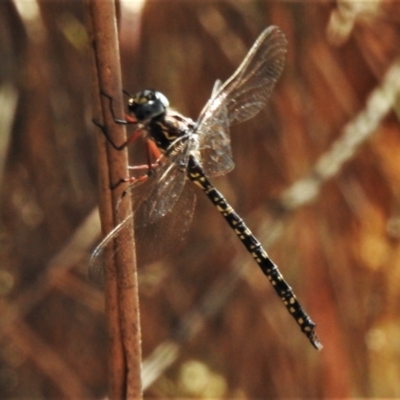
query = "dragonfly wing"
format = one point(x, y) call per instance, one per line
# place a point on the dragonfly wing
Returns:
point(241, 97)
point(156, 197)
point(162, 213)
point(154, 240)
point(157, 239)
point(216, 153)
point(215, 144)
point(216, 87)
point(97, 260)
point(248, 89)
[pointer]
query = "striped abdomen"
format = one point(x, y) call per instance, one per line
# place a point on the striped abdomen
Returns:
point(284, 291)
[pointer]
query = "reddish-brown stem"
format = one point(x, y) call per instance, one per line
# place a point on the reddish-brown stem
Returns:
point(122, 304)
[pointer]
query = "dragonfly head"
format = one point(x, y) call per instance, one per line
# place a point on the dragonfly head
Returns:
point(147, 104)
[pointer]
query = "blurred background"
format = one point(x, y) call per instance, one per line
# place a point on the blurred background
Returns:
point(316, 179)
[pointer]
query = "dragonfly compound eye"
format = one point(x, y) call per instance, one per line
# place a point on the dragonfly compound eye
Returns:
point(147, 105)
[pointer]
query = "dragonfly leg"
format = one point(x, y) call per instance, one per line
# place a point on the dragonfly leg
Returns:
point(129, 121)
point(143, 167)
point(150, 168)
point(130, 139)
point(133, 180)
point(152, 152)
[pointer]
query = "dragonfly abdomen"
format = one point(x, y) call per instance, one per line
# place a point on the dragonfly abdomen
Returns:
point(253, 246)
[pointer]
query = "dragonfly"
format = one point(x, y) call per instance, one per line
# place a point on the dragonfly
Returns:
point(188, 152)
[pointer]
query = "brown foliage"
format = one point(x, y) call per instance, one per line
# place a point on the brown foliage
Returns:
point(316, 180)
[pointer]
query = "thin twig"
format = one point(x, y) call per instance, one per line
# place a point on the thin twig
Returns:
point(122, 303)
point(116, 361)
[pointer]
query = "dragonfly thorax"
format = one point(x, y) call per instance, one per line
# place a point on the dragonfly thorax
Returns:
point(166, 128)
point(148, 104)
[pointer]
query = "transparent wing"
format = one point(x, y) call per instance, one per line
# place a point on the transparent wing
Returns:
point(163, 207)
point(240, 98)
point(215, 144)
point(154, 240)
point(97, 260)
point(157, 239)
point(154, 198)
point(216, 87)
